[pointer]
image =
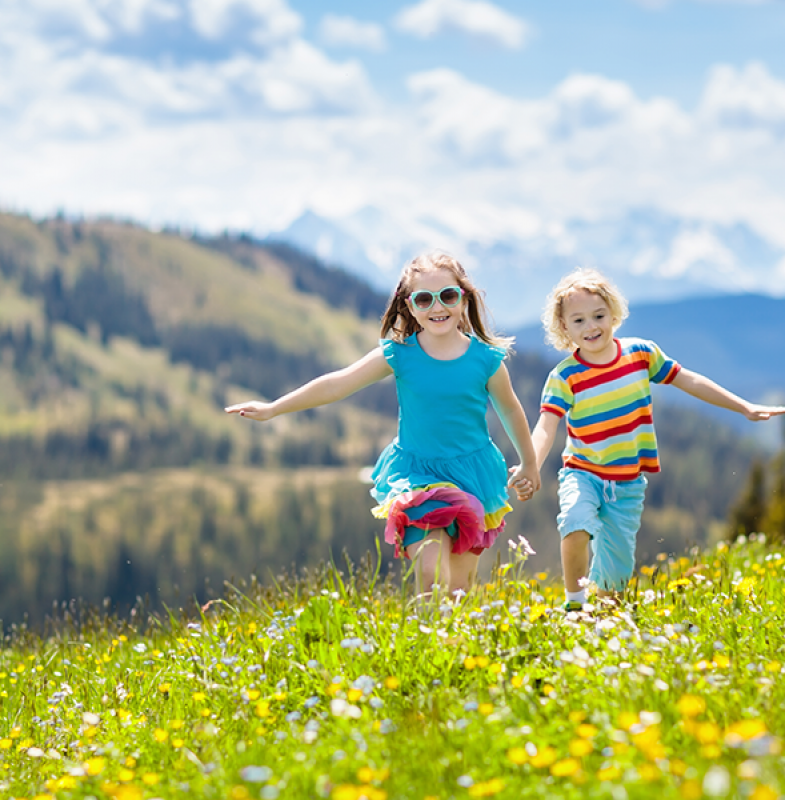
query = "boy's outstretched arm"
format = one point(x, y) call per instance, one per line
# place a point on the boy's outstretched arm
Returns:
point(710, 392)
point(325, 389)
point(513, 418)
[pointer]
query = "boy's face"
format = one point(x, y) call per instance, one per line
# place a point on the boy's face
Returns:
point(588, 322)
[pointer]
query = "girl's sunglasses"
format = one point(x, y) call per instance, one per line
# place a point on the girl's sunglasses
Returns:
point(423, 299)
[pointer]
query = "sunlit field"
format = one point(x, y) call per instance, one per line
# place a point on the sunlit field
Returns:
point(335, 684)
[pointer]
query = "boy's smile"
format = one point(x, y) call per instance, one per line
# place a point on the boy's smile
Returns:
point(589, 324)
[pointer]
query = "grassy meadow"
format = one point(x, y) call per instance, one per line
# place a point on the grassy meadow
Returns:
point(337, 684)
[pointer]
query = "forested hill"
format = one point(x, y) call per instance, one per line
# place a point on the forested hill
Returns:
point(120, 345)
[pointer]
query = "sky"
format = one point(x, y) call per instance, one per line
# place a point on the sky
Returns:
point(499, 118)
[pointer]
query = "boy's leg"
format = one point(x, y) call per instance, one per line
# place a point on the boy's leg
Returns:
point(575, 559)
point(614, 548)
point(580, 497)
point(431, 558)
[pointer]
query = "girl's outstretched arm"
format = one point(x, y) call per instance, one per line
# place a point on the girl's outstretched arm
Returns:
point(325, 389)
point(710, 392)
point(513, 418)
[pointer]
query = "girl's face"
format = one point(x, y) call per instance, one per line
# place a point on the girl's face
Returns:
point(588, 322)
point(436, 287)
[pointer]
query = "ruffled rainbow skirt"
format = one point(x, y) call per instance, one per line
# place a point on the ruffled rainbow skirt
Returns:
point(466, 496)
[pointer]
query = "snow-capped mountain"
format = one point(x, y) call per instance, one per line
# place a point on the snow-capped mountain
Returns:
point(652, 256)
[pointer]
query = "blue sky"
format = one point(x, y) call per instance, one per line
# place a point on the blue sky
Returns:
point(501, 118)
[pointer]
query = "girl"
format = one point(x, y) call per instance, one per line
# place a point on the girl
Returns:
point(603, 391)
point(441, 484)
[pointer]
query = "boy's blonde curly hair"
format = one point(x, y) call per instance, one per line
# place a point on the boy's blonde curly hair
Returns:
point(585, 279)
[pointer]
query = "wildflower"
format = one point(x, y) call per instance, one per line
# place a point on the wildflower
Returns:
point(150, 778)
point(256, 774)
point(609, 773)
point(517, 755)
point(580, 747)
point(160, 735)
point(486, 788)
point(716, 782)
point(544, 757)
point(392, 683)
point(565, 768)
point(690, 706)
point(95, 766)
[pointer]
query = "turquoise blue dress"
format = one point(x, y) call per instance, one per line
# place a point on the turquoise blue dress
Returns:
point(443, 458)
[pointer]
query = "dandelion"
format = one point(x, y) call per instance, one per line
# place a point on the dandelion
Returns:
point(544, 757)
point(580, 747)
point(392, 683)
point(690, 706)
point(517, 756)
point(486, 788)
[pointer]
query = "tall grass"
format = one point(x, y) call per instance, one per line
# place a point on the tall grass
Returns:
point(337, 684)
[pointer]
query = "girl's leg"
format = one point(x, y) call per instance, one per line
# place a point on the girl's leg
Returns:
point(463, 571)
point(575, 559)
point(431, 558)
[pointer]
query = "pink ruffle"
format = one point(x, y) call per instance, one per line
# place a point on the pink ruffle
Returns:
point(463, 508)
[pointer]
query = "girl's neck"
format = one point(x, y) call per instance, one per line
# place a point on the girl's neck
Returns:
point(444, 348)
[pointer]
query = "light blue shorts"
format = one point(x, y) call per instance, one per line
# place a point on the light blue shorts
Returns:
point(610, 512)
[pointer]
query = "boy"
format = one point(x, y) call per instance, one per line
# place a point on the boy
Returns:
point(603, 392)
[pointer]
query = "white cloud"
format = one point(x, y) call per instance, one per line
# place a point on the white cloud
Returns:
point(340, 31)
point(693, 247)
point(474, 17)
point(276, 21)
point(745, 98)
point(96, 20)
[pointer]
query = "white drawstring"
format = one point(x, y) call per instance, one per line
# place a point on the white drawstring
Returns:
point(609, 491)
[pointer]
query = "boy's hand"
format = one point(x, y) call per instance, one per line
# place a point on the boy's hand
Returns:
point(760, 413)
point(253, 409)
point(524, 481)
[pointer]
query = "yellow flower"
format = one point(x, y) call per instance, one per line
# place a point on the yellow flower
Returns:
point(517, 755)
point(198, 696)
point(580, 747)
point(353, 695)
point(744, 730)
point(745, 586)
point(516, 682)
point(392, 683)
point(544, 757)
point(689, 705)
point(253, 694)
point(176, 724)
point(160, 735)
point(95, 766)
point(239, 793)
point(150, 778)
point(263, 709)
point(707, 733)
point(345, 791)
point(609, 773)
point(483, 661)
point(763, 792)
point(6, 744)
point(627, 719)
point(711, 751)
point(470, 662)
point(648, 772)
point(691, 790)
point(177, 743)
point(125, 775)
point(485, 709)
point(565, 768)
point(487, 788)
point(721, 661)
point(586, 731)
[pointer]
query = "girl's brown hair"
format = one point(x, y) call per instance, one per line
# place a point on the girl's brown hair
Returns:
point(588, 280)
point(398, 323)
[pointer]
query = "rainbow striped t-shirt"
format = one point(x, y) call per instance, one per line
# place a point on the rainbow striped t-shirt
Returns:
point(610, 428)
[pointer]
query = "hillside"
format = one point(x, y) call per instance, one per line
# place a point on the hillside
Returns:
point(115, 339)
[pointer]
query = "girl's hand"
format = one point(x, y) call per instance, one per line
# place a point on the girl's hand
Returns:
point(253, 409)
point(524, 481)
